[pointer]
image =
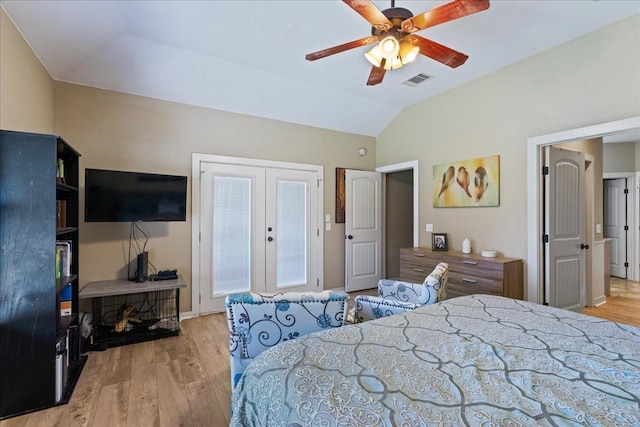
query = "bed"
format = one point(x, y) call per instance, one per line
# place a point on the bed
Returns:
point(473, 360)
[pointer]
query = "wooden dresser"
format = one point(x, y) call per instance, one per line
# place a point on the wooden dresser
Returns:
point(468, 273)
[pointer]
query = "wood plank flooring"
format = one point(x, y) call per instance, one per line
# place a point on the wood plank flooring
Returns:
point(623, 305)
point(176, 381)
point(183, 380)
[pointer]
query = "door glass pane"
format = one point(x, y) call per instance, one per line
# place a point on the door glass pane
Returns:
point(231, 235)
point(291, 233)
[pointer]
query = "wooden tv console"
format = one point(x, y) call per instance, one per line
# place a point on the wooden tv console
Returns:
point(468, 273)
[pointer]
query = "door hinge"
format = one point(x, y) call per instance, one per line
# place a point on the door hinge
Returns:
point(545, 170)
point(317, 281)
point(626, 265)
point(199, 237)
point(626, 191)
point(318, 183)
point(318, 232)
point(200, 299)
point(545, 238)
point(626, 228)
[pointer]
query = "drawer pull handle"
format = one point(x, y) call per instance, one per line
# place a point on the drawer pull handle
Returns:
point(469, 281)
point(470, 262)
point(419, 270)
point(420, 255)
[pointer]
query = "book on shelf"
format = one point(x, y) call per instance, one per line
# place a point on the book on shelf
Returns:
point(61, 213)
point(60, 171)
point(63, 258)
point(65, 300)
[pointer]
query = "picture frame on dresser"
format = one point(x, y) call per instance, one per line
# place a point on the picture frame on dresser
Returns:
point(439, 242)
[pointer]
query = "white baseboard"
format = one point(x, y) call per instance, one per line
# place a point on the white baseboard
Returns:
point(186, 315)
point(597, 302)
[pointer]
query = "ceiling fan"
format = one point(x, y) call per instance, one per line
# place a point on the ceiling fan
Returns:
point(394, 28)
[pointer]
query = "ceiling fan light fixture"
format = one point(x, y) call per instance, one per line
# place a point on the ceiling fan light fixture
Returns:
point(389, 47)
point(408, 52)
point(375, 57)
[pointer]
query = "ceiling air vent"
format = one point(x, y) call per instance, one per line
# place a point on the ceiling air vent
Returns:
point(417, 79)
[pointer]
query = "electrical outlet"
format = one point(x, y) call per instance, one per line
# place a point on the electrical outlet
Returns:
point(429, 227)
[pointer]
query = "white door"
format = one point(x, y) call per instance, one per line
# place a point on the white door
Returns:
point(363, 229)
point(236, 253)
point(615, 223)
point(292, 231)
point(565, 260)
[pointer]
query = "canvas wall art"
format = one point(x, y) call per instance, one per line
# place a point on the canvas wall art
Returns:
point(467, 183)
point(340, 194)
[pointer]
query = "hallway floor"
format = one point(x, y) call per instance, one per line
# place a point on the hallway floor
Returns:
point(624, 288)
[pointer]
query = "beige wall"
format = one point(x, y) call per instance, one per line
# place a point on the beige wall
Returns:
point(590, 80)
point(26, 89)
point(620, 157)
point(119, 131)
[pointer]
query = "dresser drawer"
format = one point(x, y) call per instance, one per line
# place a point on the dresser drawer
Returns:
point(473, 285)
point(414, 274)
point(476, 267)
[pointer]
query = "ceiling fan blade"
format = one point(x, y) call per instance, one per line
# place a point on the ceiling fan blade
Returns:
point(437, 51)
point(341, 48)
point(377, 74)
point(447, 12)
point(371, 13)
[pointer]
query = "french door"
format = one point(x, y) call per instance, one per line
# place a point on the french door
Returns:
point(258, 230)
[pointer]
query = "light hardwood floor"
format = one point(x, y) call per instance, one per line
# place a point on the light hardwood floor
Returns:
point(176, 381)
point(623, 305)
point(184, 380)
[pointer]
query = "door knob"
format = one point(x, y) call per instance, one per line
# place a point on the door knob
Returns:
point(270, 239)
point(583, 246)
point(349, 237)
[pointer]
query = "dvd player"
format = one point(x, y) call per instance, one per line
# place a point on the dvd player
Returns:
point(156, 277)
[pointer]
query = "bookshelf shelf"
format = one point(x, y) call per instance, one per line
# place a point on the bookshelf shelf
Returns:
point(66, 230)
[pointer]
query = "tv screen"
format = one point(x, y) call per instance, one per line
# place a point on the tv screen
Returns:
point(117, 196)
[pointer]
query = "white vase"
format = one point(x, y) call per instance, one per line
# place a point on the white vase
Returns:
point(466, 246)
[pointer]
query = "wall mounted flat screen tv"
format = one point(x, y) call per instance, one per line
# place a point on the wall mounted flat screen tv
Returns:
point(117, 196)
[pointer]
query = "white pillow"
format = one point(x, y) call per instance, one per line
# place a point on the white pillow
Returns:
point(429, 293)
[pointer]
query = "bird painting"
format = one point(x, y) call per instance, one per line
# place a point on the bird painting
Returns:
point(467, 183)
point(447, 177)
point(480, 183)
point(463, 179)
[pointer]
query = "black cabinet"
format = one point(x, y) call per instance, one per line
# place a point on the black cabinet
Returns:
point(40, 356)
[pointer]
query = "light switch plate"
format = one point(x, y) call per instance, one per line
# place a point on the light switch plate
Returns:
point(598, 228)
point(429, 227)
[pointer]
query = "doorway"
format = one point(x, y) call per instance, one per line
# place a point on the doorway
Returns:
point(398, 219)
point(401, 192)
point(534, 218)
point(615, 224)
point(633, 219)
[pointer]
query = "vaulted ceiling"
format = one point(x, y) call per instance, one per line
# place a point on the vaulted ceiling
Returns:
point(248, 57)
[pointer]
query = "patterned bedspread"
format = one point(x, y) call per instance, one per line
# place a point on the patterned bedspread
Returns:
point(474, 360)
